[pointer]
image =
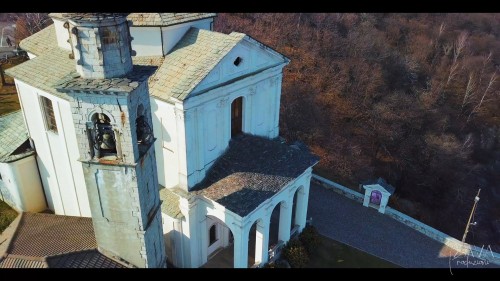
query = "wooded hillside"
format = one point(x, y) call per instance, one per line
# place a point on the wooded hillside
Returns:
point(412, 98)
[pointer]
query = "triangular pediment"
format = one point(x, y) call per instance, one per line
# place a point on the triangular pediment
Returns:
point(246, 58)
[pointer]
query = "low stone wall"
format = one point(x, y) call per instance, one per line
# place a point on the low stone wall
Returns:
point(340, 189)
point(430, 232)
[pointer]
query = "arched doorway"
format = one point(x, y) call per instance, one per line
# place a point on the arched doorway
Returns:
point(237, 117)
point(220, 249)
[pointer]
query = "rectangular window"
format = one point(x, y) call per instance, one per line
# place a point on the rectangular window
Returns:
point(48, 111)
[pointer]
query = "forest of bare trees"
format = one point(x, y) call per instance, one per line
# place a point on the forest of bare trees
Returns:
point(412, 98)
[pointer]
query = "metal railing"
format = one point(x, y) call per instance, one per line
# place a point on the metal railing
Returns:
point(275, 251)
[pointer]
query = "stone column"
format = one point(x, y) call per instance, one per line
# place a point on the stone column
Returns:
point(240, 235)
point(181, 148)
point(203, 238)
point(383, 203)
point(262, 241)
point(285, 220)
point(367, 197)
point(301, 208)
point(193, 251)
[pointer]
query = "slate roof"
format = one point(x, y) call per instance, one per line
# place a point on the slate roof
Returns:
point(74, 82)
point(40, 42)
point(179, 72)
point(46, 240)
point(13, 134)
point(194, 56)
point(166, 19)
point(51, 68)
point(96, 17)
point(170, 205)
point(45, 70)
point(380, 182)
point(252, 170)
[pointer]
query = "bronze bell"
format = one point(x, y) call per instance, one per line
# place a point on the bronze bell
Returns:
point(108, 141)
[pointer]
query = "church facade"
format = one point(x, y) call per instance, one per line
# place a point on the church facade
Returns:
point(165, 133)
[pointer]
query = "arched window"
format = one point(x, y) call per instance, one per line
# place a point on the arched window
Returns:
point(236, 117)
point(213, 234)
point(103, 141)
point(144, 132)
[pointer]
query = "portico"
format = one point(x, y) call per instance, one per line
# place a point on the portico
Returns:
point(240, 227)
point(222, 210)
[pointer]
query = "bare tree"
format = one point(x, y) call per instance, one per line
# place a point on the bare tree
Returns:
point(476, 109)
point(29, 23)
point(458, 49)
point(469, 90)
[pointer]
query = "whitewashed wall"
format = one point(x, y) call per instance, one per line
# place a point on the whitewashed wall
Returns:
point(188, 142)
point(158, 41)
point(172, 34)
point(147, 40)
point(208, 124)
point(57, 154)
point(23, 185)
point(62, 34)
point(175, 241)
point(165, 132)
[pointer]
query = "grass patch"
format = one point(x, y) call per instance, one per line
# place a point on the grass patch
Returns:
point(332, 254)
point(7, 215)
point(8, 95)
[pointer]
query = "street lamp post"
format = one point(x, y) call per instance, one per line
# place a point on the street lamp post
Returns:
point(1, 38)
point(476, 199)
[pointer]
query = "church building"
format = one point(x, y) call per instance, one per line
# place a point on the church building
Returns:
point(162, 131)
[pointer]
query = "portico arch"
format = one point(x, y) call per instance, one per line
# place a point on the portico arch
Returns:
point(220, 237)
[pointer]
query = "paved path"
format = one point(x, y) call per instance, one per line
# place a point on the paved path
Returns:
point(351, 223)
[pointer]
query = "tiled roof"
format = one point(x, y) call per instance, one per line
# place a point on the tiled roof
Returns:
point(40, 235)
point(165, 19)
point(46, 240)
point(252, 170)
point(170, 205)
point(45, 70)
point(198, 52)
point(13, 134)
point(82, 259)
point(40, 42)
point(16, 262)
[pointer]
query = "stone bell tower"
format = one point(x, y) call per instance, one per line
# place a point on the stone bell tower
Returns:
point(112, 119)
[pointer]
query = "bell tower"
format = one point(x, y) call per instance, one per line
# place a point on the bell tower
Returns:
point(109, 100)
